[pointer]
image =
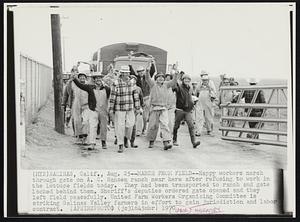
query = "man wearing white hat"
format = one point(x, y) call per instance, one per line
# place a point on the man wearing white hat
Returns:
point(248, 96)
point(206, 93)
point(123, 102)
point(141, 82)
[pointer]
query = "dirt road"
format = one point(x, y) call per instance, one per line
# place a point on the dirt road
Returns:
point(46, 149)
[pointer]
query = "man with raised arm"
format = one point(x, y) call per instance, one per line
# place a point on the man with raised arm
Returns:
point(159, 108)
point(184, 107)
point(98, 95)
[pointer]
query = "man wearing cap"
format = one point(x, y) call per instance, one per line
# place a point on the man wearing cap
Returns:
point(138, 116)
point(159, 108)
point(248, 96)
point(142, 83)
point(206, 93)
point(98, 95)
point(123, 102)
point(184, 107)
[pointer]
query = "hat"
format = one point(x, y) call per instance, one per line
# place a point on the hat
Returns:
point(133, 77)
point(204, 77)
point(97, 75)
point(158, 75)
point(140, 68)
point(169, 74)
point(186, 76)
point(203, 72)
point(252, 80)
point(81, 74)
point(125, 69)
point(225, 76)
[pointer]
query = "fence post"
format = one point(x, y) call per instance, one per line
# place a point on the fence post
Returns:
point(57, 70)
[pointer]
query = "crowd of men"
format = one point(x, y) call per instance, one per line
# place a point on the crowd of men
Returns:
point(142, 102)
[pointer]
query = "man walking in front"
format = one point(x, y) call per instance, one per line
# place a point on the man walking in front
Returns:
point(159, 108)
point(141, 82)
point(184, 107)
point(98, 95)
point(123, 102)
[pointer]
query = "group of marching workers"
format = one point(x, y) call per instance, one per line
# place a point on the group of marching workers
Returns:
point(141, 101)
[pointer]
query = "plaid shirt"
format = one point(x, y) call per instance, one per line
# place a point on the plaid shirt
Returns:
point(123, 97)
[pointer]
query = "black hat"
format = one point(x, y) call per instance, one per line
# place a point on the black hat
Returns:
point(169, 74)
point(158, 75)
point(83, 74)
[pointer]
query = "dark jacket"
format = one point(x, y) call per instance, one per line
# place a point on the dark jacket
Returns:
point(248, 95)
point(90, 90)
point(184, 97)
point(141, 82)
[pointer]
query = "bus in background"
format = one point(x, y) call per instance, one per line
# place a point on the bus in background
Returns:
point(117, 54)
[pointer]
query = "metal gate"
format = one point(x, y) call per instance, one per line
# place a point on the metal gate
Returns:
point(270, 127)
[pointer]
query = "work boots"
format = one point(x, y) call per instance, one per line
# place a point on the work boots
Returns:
point(104, 144)
point(195, 144)
point(167, 145)
point(125, 142)
point(133, 145)
point(151, 144)
point(121, 149)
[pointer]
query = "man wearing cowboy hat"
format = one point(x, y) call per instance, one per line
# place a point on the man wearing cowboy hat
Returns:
point(123, 102)
point(206, 93)
point(159, 108)
point(184, 107)
point(98, 95)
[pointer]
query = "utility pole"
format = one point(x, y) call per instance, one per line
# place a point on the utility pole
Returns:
point(57, 73)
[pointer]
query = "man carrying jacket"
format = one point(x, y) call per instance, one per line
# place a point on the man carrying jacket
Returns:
point(184, 107)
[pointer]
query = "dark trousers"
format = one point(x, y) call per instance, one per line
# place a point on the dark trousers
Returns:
point(133, 134)
point(254, 124)
point(187, 116)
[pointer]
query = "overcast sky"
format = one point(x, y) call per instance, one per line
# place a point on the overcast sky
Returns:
point(243, 40)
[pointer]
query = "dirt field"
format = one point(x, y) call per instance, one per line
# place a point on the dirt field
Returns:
point(46, 149)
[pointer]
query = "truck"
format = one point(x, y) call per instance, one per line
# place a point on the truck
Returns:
point(118, 54)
